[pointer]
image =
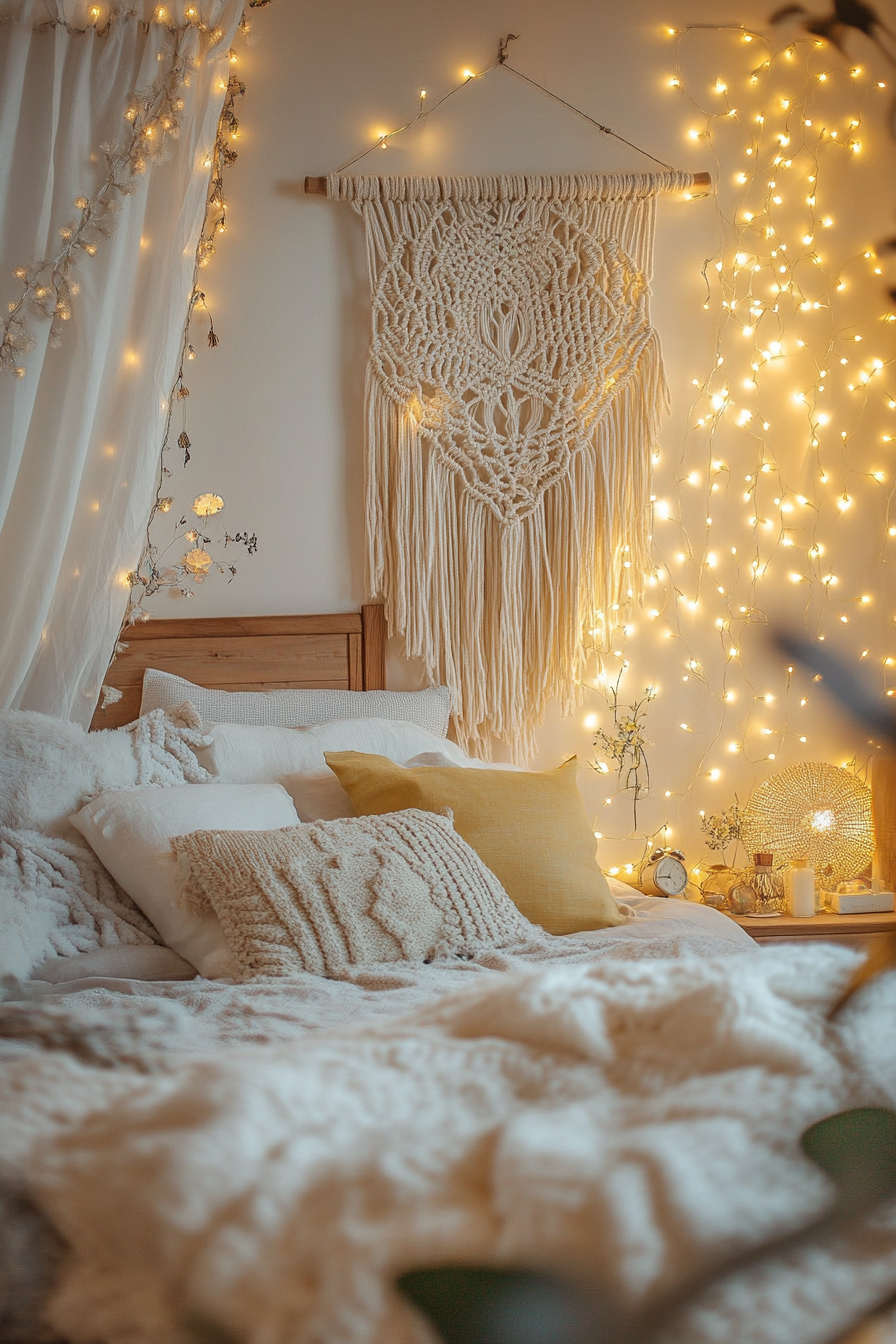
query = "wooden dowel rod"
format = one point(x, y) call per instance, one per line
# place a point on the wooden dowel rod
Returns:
point(317, 186)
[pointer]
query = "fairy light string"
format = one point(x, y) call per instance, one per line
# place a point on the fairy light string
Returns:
point(153, 117)
point(48, 288)
point(778, 504)
point(501, 61)
point(156, 569)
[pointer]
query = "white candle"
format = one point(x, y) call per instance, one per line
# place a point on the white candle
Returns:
point(801, 886)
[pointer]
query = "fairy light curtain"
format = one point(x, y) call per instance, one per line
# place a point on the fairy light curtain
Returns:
point(514, 391)
point(80, 426)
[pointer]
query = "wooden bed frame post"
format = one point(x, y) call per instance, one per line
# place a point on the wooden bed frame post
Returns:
point(373, 623)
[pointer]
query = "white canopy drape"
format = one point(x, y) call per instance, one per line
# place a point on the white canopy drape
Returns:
point(80, 433)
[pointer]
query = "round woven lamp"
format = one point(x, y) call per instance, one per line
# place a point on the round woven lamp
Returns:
point(815, 811)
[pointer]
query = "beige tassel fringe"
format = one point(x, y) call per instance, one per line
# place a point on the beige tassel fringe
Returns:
point(501, 603)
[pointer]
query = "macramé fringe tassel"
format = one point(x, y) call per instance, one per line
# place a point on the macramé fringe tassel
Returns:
point(510, 336)
point(499, 613)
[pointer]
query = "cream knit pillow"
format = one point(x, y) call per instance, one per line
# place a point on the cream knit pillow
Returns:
point(397, 887)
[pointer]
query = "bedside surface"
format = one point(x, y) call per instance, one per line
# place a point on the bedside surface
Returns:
point(819, 926)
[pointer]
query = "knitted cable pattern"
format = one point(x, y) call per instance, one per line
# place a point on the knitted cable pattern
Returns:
point(165, 742)
point(359, 891)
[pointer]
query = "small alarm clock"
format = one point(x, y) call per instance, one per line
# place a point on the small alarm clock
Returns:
point(664, 873)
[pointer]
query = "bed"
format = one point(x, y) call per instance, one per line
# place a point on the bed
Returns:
point(258, 1154)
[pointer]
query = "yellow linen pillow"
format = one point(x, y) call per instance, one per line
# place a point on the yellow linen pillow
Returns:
point(530, 828)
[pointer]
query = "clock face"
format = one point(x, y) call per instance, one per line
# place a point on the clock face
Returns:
point(670, 875)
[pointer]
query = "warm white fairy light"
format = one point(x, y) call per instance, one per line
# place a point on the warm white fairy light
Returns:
point(780, 295)
point(161, 567)
point(48, 287)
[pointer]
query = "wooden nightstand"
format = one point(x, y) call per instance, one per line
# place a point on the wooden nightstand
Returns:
point(872, 934)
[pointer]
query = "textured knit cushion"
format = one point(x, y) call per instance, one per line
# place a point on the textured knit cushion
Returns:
point(297, 708)
point(340, 893)
point(530, 828)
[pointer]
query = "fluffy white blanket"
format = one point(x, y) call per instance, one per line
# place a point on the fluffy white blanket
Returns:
point(630, 1122)
point(56, 899)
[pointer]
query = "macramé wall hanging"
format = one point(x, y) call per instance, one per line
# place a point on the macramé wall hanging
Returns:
point(514, 392)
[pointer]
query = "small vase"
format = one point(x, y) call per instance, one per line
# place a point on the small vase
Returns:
point(726, 888)
point(742, 895)
point(767, 883)
point(714, 887)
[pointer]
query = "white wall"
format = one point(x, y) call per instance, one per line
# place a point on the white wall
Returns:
point(275, 414)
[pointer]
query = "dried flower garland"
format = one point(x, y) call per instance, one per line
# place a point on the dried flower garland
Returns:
point(49, 286)
point(152, 571)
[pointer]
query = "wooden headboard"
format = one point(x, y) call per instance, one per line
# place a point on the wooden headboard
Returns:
point(251, 653)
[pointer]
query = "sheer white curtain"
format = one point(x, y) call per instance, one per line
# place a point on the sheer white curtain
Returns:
point(80, 433)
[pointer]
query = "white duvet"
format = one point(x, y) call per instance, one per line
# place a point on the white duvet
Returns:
point(630, 1122)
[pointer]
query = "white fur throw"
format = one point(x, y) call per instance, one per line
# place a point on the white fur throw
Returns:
point(49, 769)
point(56, 898)
point(399, 887)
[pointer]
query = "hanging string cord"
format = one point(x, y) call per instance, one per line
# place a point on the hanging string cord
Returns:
point(504, 44)
point(606, 129)
point(501, 60)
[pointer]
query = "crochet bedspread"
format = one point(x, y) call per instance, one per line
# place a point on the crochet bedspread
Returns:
point(630, 1120)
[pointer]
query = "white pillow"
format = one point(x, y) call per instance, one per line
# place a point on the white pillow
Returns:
point(116, 963)
point(240, 754)
point(318, 796)
point(130, 831)
point(297, 708)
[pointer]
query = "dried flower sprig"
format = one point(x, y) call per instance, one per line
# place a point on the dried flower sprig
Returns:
point(626, 746)
point(722, 828)
point(153, 115)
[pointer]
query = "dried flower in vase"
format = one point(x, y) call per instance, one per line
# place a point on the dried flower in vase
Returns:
point(723, 828)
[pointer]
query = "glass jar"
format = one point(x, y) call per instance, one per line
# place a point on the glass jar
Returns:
point(726, 888)
point(742, 895)
point(767, 882)
point(715, 885)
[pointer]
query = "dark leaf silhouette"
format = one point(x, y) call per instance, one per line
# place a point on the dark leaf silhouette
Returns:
point(834, 25)
point(856, 1149)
